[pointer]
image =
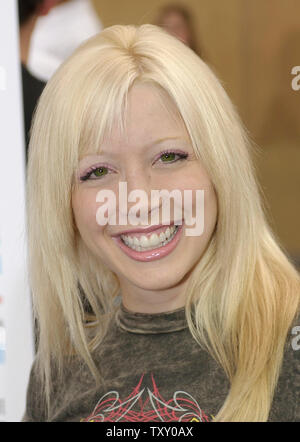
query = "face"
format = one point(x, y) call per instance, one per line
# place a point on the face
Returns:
point(154, 153)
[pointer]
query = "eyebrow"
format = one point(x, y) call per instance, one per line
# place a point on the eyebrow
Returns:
point(147, 146)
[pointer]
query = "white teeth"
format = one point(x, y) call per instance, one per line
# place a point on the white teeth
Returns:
point(144, 243)
point(154, 240)
point(162, 236)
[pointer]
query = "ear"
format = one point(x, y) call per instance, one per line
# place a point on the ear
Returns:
point(46, 6)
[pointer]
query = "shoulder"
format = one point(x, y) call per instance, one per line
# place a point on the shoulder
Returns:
point(35, 400)
point(285, 406)
point(36, 403)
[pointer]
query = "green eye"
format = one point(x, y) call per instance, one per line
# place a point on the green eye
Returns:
point(168, 157)
point(95, 173)
point(100, 171)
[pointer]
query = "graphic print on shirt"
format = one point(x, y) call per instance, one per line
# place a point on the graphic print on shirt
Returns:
point(144, 405)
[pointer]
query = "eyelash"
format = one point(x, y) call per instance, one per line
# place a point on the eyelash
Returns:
point(181, 155)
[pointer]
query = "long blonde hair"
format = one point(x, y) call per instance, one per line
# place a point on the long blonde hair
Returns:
point(243, 294)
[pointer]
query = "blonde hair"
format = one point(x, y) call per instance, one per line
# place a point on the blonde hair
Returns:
point(243, 294)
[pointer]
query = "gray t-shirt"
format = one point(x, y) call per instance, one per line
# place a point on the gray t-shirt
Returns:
point(154, 371)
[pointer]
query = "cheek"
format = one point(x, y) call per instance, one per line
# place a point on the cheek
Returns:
point(196, 207)
point(210, 210)
point(84, 209)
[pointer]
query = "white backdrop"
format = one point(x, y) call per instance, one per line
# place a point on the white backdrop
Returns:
point(16, 337)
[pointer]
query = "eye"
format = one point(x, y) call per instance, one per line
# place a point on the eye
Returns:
point(98, 172)
point(167, 157)
point(172, 156)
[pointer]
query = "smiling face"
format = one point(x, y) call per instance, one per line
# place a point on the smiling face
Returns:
point(155, 152)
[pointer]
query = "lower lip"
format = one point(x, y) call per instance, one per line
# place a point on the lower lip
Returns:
point(151, 255)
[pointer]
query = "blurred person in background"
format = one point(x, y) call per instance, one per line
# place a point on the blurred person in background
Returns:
point(177, 20)
point(56, 36)
point(29, 12)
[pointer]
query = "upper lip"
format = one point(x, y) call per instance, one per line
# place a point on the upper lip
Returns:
point(142, 229)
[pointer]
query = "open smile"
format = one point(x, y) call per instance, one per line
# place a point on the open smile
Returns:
point(150, 246)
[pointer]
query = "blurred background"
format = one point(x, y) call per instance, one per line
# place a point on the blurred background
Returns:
point(252, 45)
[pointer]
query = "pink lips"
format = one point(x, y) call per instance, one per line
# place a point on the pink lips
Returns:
point(150, 255)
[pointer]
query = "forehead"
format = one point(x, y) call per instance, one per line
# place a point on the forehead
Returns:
point(150, 116)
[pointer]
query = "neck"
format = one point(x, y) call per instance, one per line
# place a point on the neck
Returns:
point(153, 301)
point(26, 31)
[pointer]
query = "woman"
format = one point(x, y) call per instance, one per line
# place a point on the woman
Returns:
point(175, 326)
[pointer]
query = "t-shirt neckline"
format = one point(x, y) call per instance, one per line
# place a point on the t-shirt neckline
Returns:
point(151, 323)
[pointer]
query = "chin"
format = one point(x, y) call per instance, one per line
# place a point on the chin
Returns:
point(157, 284)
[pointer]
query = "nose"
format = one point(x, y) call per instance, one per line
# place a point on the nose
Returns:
point(136, 191)
point(138, 178)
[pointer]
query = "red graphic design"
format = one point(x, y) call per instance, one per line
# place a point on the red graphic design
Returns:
point(144, 405)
